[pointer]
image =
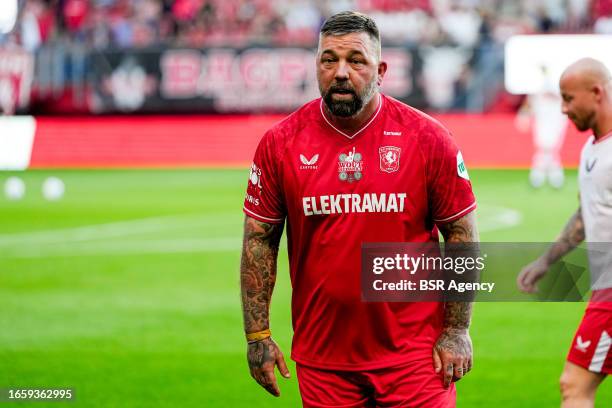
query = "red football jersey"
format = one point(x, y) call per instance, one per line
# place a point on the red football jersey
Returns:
point(391, 181)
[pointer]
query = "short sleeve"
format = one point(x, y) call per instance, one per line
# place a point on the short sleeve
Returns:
point(263, 200)
point(449, 186)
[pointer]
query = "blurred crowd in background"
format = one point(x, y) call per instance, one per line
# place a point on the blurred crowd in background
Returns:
point(199, 23)
point(457, 56)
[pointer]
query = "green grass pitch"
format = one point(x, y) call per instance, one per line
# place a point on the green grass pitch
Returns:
point(127, 290)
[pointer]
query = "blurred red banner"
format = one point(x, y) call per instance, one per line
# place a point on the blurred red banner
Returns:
point(486, 141)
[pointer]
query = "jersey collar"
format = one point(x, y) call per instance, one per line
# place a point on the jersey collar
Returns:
point(601, 139)
point(380, 103)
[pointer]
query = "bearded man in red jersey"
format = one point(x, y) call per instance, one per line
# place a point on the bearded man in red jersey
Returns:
point(355, 166)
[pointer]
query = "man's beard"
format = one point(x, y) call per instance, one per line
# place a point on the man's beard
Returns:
point(582, 126)
point(348, 108)
point(583, 123)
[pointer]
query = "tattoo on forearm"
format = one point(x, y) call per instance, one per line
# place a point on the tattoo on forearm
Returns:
point(258, 271)
point(571, 236)
point(457, 315)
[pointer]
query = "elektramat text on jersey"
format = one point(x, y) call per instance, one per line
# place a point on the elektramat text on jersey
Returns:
point(354, 203)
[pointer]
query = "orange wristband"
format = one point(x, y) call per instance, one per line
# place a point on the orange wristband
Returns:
point(258, 336)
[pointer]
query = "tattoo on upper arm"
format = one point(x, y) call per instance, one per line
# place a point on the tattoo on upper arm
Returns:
point(462, 230)
point(258, 271)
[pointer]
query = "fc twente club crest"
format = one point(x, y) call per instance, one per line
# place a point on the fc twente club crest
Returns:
point(389, 158)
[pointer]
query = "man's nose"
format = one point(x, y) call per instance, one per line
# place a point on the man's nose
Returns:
point(564, 108)
point(342, 73)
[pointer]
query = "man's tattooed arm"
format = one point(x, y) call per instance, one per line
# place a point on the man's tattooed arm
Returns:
point(453, 350)
point(464, 230)
point(257, 279)
point(258, 272)
point(571, 236)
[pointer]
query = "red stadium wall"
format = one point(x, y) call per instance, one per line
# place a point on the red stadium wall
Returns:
point(222, 141)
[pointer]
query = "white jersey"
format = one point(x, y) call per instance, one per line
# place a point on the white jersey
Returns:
point(595, 178)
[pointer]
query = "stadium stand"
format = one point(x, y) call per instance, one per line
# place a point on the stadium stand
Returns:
point(456, 45)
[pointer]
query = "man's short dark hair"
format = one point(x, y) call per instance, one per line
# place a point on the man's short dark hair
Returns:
point(347, 22)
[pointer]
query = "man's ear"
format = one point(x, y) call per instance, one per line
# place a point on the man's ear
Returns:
point(598, 92)
point(382, 70)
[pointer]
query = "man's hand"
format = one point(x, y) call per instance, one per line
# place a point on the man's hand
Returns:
point(531, 274)
point(452, 354)
point(571, 236)
point(263, 356)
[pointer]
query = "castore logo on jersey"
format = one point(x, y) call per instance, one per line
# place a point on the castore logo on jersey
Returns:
point(309, 164)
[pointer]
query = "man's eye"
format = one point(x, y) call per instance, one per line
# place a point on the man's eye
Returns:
point(356, 61)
